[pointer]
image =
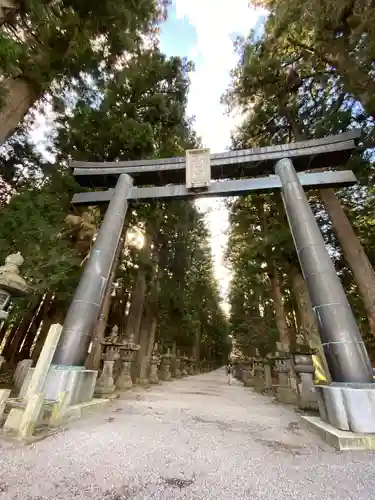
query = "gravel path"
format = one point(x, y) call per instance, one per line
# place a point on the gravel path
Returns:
point(193, 439)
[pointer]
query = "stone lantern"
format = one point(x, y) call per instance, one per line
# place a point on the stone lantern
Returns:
point(191, 366)
point(304, 368)
point(184, 365)
point(165, 372)
point(154, 365)
point(176, 365)
point(127, 349)
point(105, 384)
point(11, 283)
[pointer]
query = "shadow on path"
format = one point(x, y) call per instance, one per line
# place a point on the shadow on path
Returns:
point(193, 439)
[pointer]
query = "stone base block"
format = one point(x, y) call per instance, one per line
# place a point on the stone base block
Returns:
point(258, 385)
point(286, 395)
point(142, 381)
point(348, 407)
point(104, 391)
point(13, 421)
point(249, 382)
point(80, 410)
point(77, 383)
point(154, 381)
point(341, 440)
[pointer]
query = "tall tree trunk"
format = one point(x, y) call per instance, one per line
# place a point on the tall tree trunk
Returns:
point(152, 324)
point(197, 346)
point(279, 307)
point(4, 329)
point(149, 317)
point(353, 251)
point(148, 321)
point(55, 314)
point(8, 337)
point(274, 278)
point(291, 318)
point(20, 96)
point(308, 327)
point(34, 327)
point(15, 341)
point(134, 318)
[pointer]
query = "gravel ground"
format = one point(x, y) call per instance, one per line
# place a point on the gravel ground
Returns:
point(193, 439)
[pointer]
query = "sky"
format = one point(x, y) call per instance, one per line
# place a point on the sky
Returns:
point(204, 32)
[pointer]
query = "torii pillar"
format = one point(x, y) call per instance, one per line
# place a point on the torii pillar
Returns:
point(348, 403)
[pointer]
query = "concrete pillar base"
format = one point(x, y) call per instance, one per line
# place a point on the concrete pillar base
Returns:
point(77, 383)
point(348, 407)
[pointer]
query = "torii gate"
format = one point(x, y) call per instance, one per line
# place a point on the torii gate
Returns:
point(190, 177)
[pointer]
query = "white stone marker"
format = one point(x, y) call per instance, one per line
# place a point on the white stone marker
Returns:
point(4, 395)
point(21, 372)
point(44, 362)
point(24, 420)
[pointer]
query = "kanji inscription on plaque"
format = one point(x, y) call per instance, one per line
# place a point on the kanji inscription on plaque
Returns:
point(198, 168)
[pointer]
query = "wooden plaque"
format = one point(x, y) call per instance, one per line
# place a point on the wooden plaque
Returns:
point(198, 168)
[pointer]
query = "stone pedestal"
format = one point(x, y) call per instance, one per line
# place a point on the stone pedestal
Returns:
point(267, 363)
point(124, 380)
point(237, 370)
point(246, 373)
point(76, 382)
point(177, 368)
point(153, 374)
point(165, 367)
point(284, 391)
point(127, 351)
point(184, 366)
point(105, 384)
point(258, 379)
point(191, 366)
point(304, 368)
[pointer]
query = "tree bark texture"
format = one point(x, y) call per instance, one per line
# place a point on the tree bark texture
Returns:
point(20, 96)
point(353, 251)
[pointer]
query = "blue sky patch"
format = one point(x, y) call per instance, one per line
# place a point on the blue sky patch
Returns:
point(177, 36)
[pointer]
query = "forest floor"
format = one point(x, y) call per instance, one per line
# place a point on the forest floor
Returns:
point(193, 439)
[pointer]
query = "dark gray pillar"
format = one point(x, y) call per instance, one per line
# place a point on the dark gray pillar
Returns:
point(345, 351)
point(86, 304)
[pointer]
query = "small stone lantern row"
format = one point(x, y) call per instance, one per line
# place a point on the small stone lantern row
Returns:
point(295, 371)
point(162, 366)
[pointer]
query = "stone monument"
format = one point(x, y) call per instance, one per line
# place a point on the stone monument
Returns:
point(11, 283)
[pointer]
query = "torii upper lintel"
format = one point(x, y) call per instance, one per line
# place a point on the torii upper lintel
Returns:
point(329, 151)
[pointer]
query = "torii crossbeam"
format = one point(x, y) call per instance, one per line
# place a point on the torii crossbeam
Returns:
point(235, 172)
